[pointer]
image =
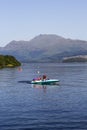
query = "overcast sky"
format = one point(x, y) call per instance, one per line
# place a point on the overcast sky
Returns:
point(25, 19)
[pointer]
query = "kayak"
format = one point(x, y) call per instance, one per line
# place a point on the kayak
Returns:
point(45, 82)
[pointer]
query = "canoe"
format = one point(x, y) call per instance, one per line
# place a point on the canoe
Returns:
point(45, 82)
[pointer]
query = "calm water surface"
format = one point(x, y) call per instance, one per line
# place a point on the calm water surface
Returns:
point(33, 107)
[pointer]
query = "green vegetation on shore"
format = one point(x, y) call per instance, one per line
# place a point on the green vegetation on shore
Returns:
point(8, 61)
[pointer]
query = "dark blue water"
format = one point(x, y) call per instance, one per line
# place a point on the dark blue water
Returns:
point(27, 107)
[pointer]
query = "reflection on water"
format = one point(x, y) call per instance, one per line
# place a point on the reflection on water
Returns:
point(44, 87)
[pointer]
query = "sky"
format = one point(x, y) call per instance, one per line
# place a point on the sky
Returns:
point(25, 19)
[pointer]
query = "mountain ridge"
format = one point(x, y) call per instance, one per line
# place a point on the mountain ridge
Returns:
point(45, 47)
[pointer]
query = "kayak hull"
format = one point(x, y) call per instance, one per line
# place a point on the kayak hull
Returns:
point(45, 82)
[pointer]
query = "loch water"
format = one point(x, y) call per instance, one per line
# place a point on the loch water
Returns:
point(24, 106)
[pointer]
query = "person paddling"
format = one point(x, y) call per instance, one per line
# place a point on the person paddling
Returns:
point(44, 77)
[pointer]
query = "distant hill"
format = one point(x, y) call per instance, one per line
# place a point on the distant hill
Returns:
point(8, 61)
point(79, 58)
point(45, 48)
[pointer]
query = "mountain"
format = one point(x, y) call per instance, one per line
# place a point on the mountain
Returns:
point(45, 48)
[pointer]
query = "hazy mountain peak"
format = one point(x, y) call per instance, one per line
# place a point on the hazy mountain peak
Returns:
point(48, 36)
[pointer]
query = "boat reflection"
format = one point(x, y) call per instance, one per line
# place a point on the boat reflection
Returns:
point(44, 87)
